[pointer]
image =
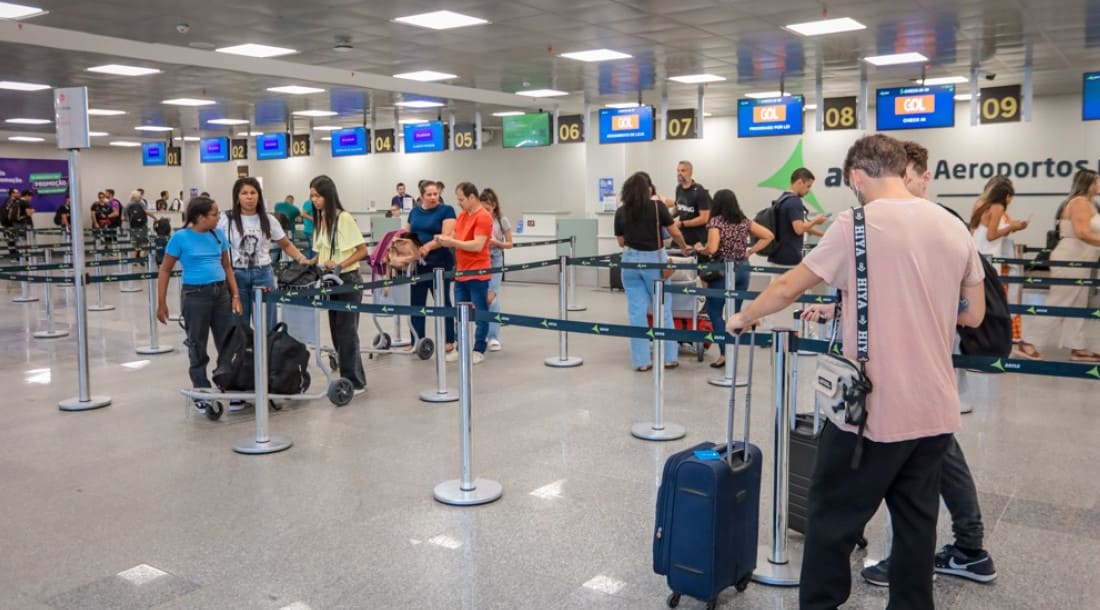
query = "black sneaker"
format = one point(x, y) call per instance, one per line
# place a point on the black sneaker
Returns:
point(878, 574)
point(956, 563)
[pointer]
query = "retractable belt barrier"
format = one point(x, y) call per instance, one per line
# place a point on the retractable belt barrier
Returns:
point(1047, 281)
point(1030, 262)
point(548, 242)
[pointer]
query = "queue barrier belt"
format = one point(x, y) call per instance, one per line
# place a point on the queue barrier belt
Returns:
point(36, 279)
point(548, 242)
point(1030, 262)
point(1047, 281)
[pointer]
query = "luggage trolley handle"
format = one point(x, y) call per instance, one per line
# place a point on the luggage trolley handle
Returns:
point(817, 409)
point(733, 401)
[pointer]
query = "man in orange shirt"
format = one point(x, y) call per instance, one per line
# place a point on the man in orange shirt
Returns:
point(470, 239)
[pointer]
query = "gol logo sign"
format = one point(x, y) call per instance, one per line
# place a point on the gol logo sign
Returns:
point(769, 114)
point(625, 122)
point(916, 104)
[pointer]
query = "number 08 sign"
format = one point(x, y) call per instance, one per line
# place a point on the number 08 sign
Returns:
point(839, 113)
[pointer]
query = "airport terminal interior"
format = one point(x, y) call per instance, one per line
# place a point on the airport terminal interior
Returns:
point(152, 502)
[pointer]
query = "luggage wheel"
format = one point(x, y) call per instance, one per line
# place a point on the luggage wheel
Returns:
point(743, 584)
point(425, 349)
point(673, 600)
point(381, 342)
point(274, 405)
point(699, 352)
point(341, 391)
point(213, 408)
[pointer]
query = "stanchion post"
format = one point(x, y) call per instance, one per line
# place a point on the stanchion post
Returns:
point(24, 259)
point(466, 491)
point(730, 372)
point(658, 430)
point(440, 393)
point(801, 327)
point(264, 442)
point(49, 332)
point(154, 346)
point(99, 306)
point(126, 286)
point(398, 339)
point(563, 360)
point(573, 306)
point(84, 401)
point(775, 565)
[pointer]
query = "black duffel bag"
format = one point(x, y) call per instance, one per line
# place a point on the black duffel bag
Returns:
point(287, 363)
point(297, 274)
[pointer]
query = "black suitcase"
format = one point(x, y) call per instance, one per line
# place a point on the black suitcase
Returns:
point(616, 273)
point(803, 452)
point(708, 514)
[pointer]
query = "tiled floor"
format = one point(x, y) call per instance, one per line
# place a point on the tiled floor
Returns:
point(345, 518)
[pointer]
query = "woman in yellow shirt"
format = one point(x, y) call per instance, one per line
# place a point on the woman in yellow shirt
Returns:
point(338, 244)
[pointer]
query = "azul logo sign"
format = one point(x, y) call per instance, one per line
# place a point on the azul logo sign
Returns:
point(917, 104)
point(769, 114)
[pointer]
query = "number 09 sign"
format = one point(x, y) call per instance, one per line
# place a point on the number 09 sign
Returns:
point(1000, 104)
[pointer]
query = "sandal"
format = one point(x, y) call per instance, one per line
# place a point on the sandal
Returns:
point(1027, 350)
point(1084, 356)
point(718, 364)
point(644, 368)
point(672, 365)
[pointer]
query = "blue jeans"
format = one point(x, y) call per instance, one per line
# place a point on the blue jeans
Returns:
point(418, 297)
point(496, 259)
point(476, 292)
point(247, 280)
point(309, 245)
point(715, 305)
point(638, 285)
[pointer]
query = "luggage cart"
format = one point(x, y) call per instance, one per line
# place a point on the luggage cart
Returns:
point(686, 307)
point(401, 294)
point(304, 324)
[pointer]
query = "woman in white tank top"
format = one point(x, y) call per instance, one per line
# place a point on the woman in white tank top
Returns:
point(1079, 228)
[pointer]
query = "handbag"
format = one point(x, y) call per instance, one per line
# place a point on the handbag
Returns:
point(710, 275)
point(665, 273)
point(842, 386)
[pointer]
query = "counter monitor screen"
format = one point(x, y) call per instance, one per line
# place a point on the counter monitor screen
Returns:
point(526, 130)
point(154, 153)
point(1090, 104)
point(213, 150)
point(775, 116)
point(915, 107)
point(349, 142)
point(271, 146)
point(626, 124)
point(424, 137)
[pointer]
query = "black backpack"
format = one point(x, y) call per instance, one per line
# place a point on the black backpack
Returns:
point(234, 372)
point(297, 274)
point(993, 337)
point(14, 215)
point(135, 214)
point(288, 362)
point(162, 227)
point(769, 219)
point(61, 211)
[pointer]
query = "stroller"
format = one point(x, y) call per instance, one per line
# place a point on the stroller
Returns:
point(394, 254)
point(686, 307)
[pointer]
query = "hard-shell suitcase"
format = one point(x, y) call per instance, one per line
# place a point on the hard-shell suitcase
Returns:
point(803, 453)
point(708, 512)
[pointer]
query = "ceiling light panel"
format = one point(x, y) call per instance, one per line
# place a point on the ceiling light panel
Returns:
point(295, 90)
point(420, 104)
point(29, 121)
point(896, 59)
point(228, 122)
point(97, 134)
point(153, 128)
point(314, 113)
point(25, 139)
point(596, 55)
point(542, 93)
point(125, 144)
point(12, 85)
point(761, 95)
point(426, 76)
point(826, 26)
point(441, 20)
point(327, 128)
point(19, 11)
point(120, 70)
point(256, 50)
point(944, 80)
point(103, 112)
point(695, 79)
point(509, 113)
point(188, 101)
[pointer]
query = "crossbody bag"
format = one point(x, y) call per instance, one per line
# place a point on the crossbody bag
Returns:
point(842, 386)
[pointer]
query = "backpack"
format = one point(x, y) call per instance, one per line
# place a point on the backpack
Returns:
point(14, 215)
point(769, 219)
point(288, 362)
point(6, 214)
point(234, 372)
point(117, 220)
point(135, 215)
point(58, 214)
point(993, 337)
point(162, 227)
point(297, 274)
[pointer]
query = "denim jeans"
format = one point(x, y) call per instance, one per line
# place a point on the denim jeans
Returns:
point(205, 308)
point(476, 292)
point(418, 297)
point(309, 245)
point(715, 305)
point(496, 259)
point(638, 285)
point(344, 328)
point(249, 279)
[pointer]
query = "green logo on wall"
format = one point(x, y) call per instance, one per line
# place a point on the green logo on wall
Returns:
point(781, 179)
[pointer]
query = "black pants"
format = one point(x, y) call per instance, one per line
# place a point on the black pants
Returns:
point(344, 327)
point(961, 498)
point(842, 501)
point(205, 308)
point(418, 297)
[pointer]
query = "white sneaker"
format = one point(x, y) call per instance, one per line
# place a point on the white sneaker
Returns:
point(452, 356)
point(494, 345)
point(477, 358)
point(359, 392)
point(237, 405)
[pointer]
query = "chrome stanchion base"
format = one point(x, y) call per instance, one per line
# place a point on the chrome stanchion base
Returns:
point(724, 382)
point(75, 404)
point(566, 363)
point(447, 395)
point(647, 432)
point(150, 350)
point(484, 492)
point(249, 446)
point(774, 574)
point(104, 307)
point(126, 288)
point(26, 299)
point(577, 308)
point(50, 334)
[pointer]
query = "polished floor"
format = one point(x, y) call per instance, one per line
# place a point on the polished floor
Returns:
point(144, 505)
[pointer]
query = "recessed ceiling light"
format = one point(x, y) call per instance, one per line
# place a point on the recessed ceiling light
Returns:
point(509, 113)
point(153, 128)
point(191, 138)
point(596, 55)
point(102, 112)
point(26, 139)
point(760, 95)
point(896, 59)
point(125, 144)
point(623, 105)
point(18, 86)
point(247, 134)
point(19, 11)
point(120, 70)
point(295, 90)
point(256, 50)
point(327, 128)
point(542, 93)
point(412, 121)
point(826, 26)
point(29, 121)
point(964, 97)
point(420, 104)
point(189, 101)
point(98, 134)
point(943, 80)
point(426, 76)
point(441, 20)
point(228, 121)
point(694, 79)
point(314, 113)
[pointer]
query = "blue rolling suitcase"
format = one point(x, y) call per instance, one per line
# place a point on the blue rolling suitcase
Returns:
point(708, 513)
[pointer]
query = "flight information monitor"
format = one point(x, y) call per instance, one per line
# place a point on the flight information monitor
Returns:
point(154, 153)
point(626, 124)
point(213, 150)
point(424, 137)
point(272, 146)
point(773, 116)
point(915, 107)
point(526, 130)
point(349, 142)
point(1090, 105)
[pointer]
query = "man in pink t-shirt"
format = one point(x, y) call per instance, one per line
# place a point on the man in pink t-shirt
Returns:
point(924, 277)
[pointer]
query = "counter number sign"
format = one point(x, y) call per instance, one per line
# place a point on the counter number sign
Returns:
point(238, 149)
point(681, 124)
point(1000, 104)
point(464, 137)
point(383, 141)
point(570, 129)
point(172, 156)
point(839, 113)
point(300, 145)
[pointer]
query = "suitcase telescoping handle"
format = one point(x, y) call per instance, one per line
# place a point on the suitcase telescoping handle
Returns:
point(733, 398)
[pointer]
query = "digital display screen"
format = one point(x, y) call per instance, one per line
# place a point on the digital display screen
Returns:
point(527, 130)
point(349, 142)
point(272, 146)
point(424, 137)
point(213, 150)
point(626, 124)
point(915, 107)
point(154, 153)
point(775, 116)
point(1090, 102)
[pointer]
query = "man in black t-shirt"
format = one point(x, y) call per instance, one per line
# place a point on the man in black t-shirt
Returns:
point(691, 206)
point(790, 220)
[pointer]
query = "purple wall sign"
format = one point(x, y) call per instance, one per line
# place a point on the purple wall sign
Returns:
point(48, 178)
